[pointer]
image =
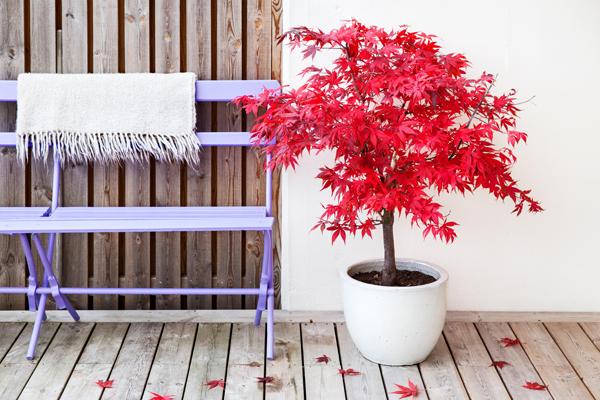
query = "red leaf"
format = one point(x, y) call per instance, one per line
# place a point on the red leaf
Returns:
point(407, 391)
point(499, 364)
point(507, 342)
point(534, 386)
point(323, 359)
point(264, 379)
point(348, 372)
point(104, 384)
point(156, 396)
point(215, 383)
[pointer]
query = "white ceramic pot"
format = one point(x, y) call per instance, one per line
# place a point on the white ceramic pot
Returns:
point(394, 325)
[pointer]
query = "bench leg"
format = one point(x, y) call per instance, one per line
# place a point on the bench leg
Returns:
point(61, 300)
point(270, 326)
point(32, 297)
point(39, 319)
point(266, 277)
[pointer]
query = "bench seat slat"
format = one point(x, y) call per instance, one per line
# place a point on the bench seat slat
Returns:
point(156, 212)
point(134, 219)
point(21, 212)
point(48, 225)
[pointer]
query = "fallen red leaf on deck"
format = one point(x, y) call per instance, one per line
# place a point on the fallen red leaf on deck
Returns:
point(499, 364)
point(215, 383)
point(407, 391)
point(323, 359)
point(264, 379)
point(349, 372)
point(104, 384)
point(507, 342)
point(156, 396)
point(534, 386)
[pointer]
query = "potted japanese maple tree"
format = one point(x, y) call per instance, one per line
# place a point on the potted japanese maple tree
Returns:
point(404, 123)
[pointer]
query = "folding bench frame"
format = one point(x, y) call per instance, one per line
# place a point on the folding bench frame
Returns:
point(37, 294)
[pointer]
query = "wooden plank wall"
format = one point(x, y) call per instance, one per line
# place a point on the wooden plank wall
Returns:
point(216, 39)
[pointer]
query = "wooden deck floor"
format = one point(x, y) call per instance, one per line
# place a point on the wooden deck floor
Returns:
point(178, 359)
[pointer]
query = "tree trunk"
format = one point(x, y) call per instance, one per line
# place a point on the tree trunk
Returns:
point(389, 272)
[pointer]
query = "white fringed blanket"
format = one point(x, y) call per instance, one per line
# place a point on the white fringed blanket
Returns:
point(107, 117)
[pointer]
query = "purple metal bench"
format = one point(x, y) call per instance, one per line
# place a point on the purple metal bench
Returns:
point(31, 222)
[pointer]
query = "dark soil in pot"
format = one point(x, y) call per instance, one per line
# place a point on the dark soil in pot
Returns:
point(404, 277)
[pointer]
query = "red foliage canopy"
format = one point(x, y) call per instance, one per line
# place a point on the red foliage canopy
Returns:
point(404, 122)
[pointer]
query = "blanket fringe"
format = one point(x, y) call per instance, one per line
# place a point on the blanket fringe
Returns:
point(81, 148)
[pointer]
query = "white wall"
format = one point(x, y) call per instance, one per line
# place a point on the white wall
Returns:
point(545, 262)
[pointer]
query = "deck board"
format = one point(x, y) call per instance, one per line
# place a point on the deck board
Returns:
point(473, 362)
point(440, 375)
point(168, 375)
point(134, 361)
point(519, 370)
point(287, 366)
point(55, 366)
point(180, 358)
point(95, 362)
point(246, 362)
point(17, 367)
point(551, 363)
point(581, 352)
point(367, 385)
point(401, 375)
point(209, 362)
point(8, 334)
point(322, 380)
point(592, 329)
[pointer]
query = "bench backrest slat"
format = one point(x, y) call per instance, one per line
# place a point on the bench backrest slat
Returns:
point(205, 90)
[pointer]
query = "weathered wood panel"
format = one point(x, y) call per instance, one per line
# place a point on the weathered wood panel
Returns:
point(258, 66)
point(106, 177)
point(74, 262)
point(42, 50)
point(223, 39)
point(167, 175)
point(12, 175)
point(137, 177)
point(229, 159)
point(199, 261)
point(276, 50)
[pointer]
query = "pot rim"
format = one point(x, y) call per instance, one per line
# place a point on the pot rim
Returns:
point(438, 282)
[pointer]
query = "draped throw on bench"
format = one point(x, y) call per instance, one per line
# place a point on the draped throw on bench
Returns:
point(107, 117)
